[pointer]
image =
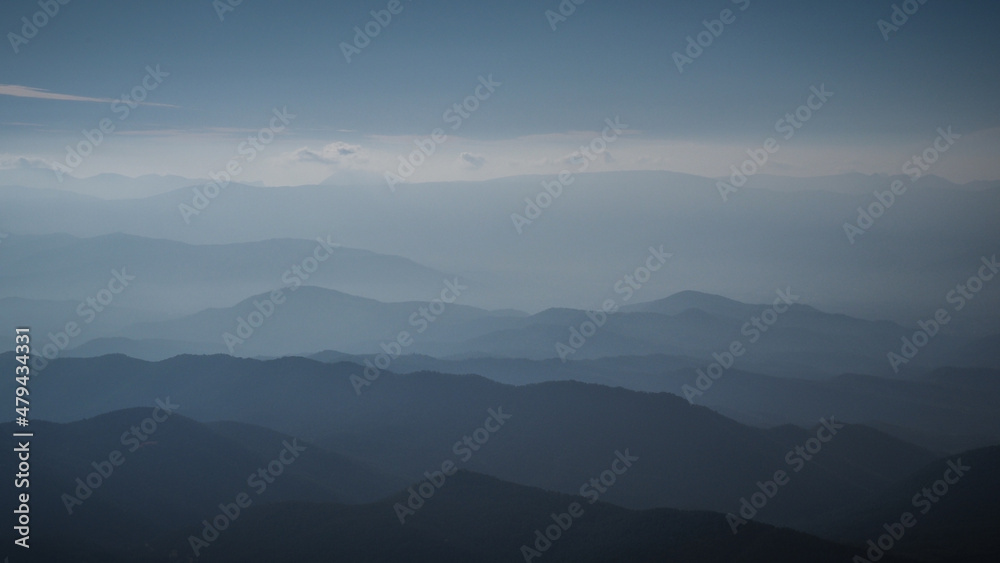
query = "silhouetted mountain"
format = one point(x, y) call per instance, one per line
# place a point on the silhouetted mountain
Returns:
point(683, 301)
point(173, 471)
point(179, 279)
point(745, 248)
point(102, 186)
point(469, 517)
point(951, 502)
point(311, 318)
point(146, 349)
point(479, 519)
point(800, 342)
point(558, 435)
point(52, 317)
point(949, 410)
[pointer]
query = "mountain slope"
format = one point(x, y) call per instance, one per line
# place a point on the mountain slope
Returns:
point(179, 278)
point(478, 519)
point(558, 434)
point(138, 476)
point(744, 248)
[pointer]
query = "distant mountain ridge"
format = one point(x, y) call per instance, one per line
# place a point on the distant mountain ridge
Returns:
point(178, 278)
point(744, 248)
point(800, 342)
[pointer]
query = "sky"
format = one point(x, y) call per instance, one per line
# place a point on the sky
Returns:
point(549, 75)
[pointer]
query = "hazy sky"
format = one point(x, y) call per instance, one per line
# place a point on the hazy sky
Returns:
point(221, 79)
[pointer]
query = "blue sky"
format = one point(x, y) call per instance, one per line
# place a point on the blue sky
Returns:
point(556, 89)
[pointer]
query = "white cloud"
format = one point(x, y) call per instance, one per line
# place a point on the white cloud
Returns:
point(38, 93)
point(15, 162)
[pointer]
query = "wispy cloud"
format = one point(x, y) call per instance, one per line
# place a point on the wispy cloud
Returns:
point(38, 93)
point(17, 162)
point(333, 153)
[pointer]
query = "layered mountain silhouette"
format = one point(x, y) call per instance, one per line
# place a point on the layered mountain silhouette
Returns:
point(744, 248)
point(150, 505)
point(554, 436)
point(800, 342)
point(176, 278)
point(453, 371)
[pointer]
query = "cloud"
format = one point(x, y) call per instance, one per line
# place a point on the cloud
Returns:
point(38, 93)
point(14, 162)
point(475, 161)
point(334, 153)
